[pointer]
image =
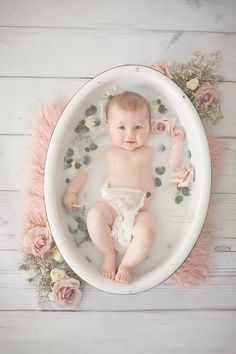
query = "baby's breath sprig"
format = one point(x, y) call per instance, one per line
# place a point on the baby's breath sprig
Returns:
point(191, 76)
point(40, 268)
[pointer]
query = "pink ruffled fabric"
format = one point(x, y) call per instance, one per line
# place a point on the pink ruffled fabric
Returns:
point(194, 270)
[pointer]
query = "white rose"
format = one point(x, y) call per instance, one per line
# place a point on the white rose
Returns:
point(57, 274)
point(56, 255)
point(192, 84)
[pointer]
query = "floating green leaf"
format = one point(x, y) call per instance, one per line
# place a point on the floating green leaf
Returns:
point(185, 191)
point(67, 180)
point(87, 159)
point(93, 146)
point(71, 229)
point(162, 108)
point(97, 122)
point(157, 182)
point(87, 149)
point(148, 194)
point(158, 101)
point(81, 224)
point(69, 152)
point(161, 148)
point(90, 111)
point(179, 199)
point(69, 161)
point(160, 170)
point(189, 154)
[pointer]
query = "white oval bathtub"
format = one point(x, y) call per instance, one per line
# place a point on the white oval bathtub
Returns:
point(178, 226)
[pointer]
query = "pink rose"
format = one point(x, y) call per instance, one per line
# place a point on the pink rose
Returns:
point(162, 68)
point(177, 134)
point(37, 241)
point(162, 126)
point(206, 95)
point(66, 292)
point(182, 176)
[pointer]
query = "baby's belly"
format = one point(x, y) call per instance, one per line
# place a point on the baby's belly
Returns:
point(144, 183)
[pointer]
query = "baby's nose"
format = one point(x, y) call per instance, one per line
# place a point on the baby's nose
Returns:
point(130, 133)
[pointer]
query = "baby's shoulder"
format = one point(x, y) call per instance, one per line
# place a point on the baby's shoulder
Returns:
point(149, 150)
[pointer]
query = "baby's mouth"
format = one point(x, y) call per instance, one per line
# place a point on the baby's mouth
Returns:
point(130, 142)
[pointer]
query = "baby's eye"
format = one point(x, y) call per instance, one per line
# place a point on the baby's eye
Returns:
point(121, 127)
point(138, 127)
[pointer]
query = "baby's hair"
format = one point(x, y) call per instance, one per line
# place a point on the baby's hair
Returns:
point(128, 101)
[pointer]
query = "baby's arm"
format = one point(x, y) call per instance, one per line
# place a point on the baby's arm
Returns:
point(176, 149)
point(77, 183)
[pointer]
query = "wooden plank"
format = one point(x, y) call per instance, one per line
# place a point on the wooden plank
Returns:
point(217, 293)
point(146, 14)
point(28, 94)
point(137, 332)
point(85, 52)
point(11, 175)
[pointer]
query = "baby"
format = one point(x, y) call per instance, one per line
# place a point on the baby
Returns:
point(120, 221)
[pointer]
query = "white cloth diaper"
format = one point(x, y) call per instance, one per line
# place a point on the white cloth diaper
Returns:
point(127, 203)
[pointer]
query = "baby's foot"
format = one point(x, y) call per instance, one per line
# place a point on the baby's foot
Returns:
point(123, 275)
point(108, 268)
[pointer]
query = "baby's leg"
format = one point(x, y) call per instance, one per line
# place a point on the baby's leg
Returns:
point(143, 236)
point(99, 222)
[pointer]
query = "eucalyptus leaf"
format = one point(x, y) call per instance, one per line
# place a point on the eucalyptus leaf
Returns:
point(162, 108)
point(160, 170)
point(69, 152)
point(161, 148)
point(80, 129)
point(90, 111)
point(87, 159)
point(97, 122)
point(93, 146)
point(82, 226)
point(157, 182)
point(69, 161)
point(185, 191)
point(179, 199)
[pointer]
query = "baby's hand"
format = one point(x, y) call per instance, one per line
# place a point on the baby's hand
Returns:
point(177, 134)
point(70, 200)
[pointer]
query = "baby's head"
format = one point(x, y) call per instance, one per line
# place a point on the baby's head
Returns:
point(128, 120)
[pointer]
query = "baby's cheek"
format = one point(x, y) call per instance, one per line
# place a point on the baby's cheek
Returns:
point(144, 136)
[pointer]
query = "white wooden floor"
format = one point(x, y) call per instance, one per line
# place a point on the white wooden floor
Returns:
point(50, 48)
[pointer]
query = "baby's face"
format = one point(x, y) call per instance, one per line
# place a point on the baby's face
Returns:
point(128, 130)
